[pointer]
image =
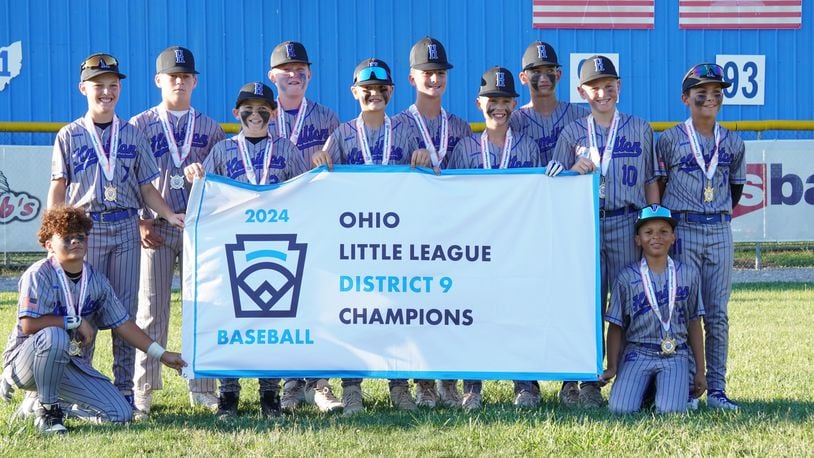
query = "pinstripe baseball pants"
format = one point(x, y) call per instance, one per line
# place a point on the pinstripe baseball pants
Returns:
point(639, 367)
point(42, 363)
point(153, 315)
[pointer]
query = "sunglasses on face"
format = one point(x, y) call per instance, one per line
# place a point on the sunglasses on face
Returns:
point(709, 71)
point(100, 61)
point(371, 73)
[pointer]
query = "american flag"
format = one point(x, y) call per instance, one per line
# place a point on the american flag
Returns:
point(740, 14)
point(593, 14)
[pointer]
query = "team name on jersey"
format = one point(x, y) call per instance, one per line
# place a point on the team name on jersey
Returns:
point(235, 169)
point(396, 154)
point(160, 145)
point(624, 148)
point(311, 136)
point(688, 164)
point(548, 142)
point(84, 156)
point(640, 304)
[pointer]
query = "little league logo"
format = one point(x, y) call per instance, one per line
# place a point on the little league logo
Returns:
point(265, 271)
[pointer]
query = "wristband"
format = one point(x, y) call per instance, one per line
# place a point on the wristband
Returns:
point(155, 351)
point(72, 322)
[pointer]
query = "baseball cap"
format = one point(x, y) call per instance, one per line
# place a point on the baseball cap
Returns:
point(99, 64)
point(288, 52)
point(497, 82)
point(256, 91)
point(429, 54)
point(175, 59)
point(539, 53)
point(655, 211)
point(702, 74)
point(596, 67)
point(372, 71)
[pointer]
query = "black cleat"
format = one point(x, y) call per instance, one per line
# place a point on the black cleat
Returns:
point(270, 404)
point(227, 406)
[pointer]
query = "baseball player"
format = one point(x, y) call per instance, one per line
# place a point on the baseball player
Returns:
point(655, 310)
point(179, 135)
point(620, 148)
point(59, 297)
point(439, 132)
point(372, 138)
point(256, 157)
point(496, 147)
point(704, 168)
point(544, 117)
point(307, 124)
point(105, 166)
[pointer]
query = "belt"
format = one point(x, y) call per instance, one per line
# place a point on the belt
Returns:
point(111, 216)
point(657, 347)
point(703, 218)
point(617, 212)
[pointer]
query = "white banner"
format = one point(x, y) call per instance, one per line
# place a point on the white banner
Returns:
point(778, 197)
point(24, 175)
point(386, 272)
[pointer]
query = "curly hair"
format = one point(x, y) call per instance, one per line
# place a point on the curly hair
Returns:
point(63, 220)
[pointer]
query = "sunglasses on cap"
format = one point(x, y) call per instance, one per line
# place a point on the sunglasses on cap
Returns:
point(707, 71)
point(99, 61)
point(372, 73)
point(655, 211)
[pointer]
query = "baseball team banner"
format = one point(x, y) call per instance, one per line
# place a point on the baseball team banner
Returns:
point(386, 272)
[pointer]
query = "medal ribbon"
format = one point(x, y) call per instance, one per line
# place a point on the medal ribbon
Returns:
point(650, 293)
point(243, 150)
point(607, 154)
point(107, 162)
point(74, 309)
point(178, 157)
point(295, 131)
point(361, 138)
point(504, 155)
point(695, 146)
point(436, 155)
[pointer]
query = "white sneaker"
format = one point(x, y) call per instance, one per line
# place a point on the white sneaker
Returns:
point(324, 397)
point(143, 401)
point(293, 395)
point(204, 399)
point(692, 403)
point(718, 400)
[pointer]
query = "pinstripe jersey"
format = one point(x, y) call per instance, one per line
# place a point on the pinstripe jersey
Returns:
point(207, 133)
point(75, 160)
point(631, 167)
point(467, 154)
point(630, 309)
point(318, 124)
point(343, 146)
point(41, 295)
point(544, 130)
point(686, 181)
point(286, 162)
point(457, 129)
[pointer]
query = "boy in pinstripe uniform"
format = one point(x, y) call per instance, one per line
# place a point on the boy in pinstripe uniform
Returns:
point(179, 135)
point(656, 311)
point(308, 125)
point(704, 167)
point(105, 166)
point(620, 147)
point(59, 297)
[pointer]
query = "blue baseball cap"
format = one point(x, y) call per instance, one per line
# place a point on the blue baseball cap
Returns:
point(655, 211)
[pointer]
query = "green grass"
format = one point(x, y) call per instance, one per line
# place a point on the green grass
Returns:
point(770, 375)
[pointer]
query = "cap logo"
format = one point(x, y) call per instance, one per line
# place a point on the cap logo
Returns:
point(258, 88)
point(541, 53)
point(373, 63)
point(432, 52)
point(500, 79)
point(289, 50)
point(179, 56)
point(599, 64)
point(103, 64)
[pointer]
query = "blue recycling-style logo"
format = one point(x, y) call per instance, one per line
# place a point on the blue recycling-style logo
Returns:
point(266, 274)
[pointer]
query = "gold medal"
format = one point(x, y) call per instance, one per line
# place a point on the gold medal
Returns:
point(668, 346)
point(110, 193)
point(176, 181)
point(74, 348)
point(709, 193)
